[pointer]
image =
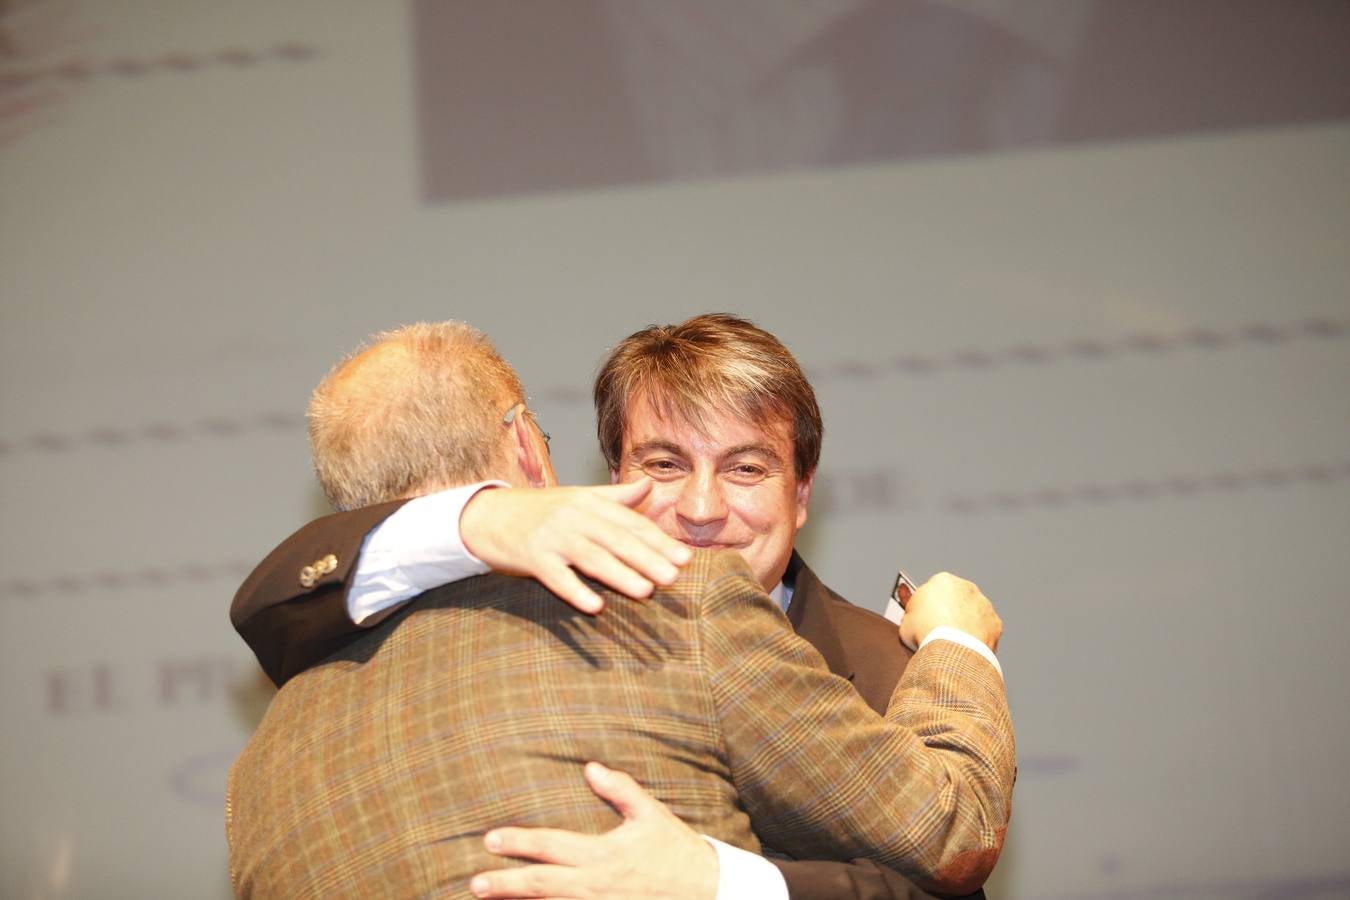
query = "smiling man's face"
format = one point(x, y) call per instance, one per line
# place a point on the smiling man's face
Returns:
point(734, 488)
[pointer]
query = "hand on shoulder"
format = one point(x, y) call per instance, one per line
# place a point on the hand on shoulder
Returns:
point(552, 534)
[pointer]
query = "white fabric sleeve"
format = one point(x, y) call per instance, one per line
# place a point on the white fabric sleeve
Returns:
point(965, 639)
point(415, 549)
point(741, 874)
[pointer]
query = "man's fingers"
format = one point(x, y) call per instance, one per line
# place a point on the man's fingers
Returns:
point(638, 541)
point(617, 508)
point(621, 791)
point(947, 599)
point(650, 533)
point(909, 634)
point(541, 532)
point(599, 563)
point(550, 882)
point(607, 545)
point(544, 845)
point(595, 560)
point(629, 493)
point(562, 581)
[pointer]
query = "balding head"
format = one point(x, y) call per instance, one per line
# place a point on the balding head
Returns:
point(415, 410)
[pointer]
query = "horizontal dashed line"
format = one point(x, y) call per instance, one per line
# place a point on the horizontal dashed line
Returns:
point(1086, 349)
point(79, 71)
point(999, 502)
point(148, 577)
point(1149, 489)
point(565, 396)
point(153, 432)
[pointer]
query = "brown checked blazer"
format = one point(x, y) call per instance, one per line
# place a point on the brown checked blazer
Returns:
point(378, 771)
point(291, 627)
point(862, 647)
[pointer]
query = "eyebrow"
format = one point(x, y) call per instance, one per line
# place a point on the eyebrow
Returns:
point(656, 444)
point(762, 449)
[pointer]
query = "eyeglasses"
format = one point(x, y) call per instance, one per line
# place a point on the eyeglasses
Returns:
point(511, 417)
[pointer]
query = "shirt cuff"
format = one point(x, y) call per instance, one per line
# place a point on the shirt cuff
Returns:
point(414, 550)
point(741, 873)
point(965, 639)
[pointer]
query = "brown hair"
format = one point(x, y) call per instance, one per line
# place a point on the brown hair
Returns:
point(413, 410)
point(711, 364)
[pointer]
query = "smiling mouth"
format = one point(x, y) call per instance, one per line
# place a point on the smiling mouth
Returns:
point(711, 545)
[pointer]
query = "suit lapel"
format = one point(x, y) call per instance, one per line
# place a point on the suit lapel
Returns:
point(811, 615)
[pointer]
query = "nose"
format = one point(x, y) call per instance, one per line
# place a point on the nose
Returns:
point(702, 501)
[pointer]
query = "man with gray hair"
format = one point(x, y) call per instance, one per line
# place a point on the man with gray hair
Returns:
point(714, 419)
point(371, 442)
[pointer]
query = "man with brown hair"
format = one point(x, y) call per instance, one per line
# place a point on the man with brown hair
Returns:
point(716, 418)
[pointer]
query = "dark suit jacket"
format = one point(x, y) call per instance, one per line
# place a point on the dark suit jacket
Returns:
point(291, 627)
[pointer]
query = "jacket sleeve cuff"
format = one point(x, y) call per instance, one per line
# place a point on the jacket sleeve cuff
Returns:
point(969, 641)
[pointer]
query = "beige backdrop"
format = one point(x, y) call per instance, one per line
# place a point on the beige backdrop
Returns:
point(1106, 379)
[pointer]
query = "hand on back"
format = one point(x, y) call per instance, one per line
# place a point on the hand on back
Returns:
point(651, 856)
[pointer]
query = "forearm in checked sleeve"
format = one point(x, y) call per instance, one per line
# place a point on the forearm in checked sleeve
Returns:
point(926, 791)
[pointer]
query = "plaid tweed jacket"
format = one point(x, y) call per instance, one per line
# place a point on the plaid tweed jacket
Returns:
point(378, 772)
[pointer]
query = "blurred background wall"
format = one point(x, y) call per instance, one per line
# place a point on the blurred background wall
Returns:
point(1070, 278)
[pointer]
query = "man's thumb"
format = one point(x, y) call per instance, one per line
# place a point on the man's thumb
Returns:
point(619, 790)
point(629, 494)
